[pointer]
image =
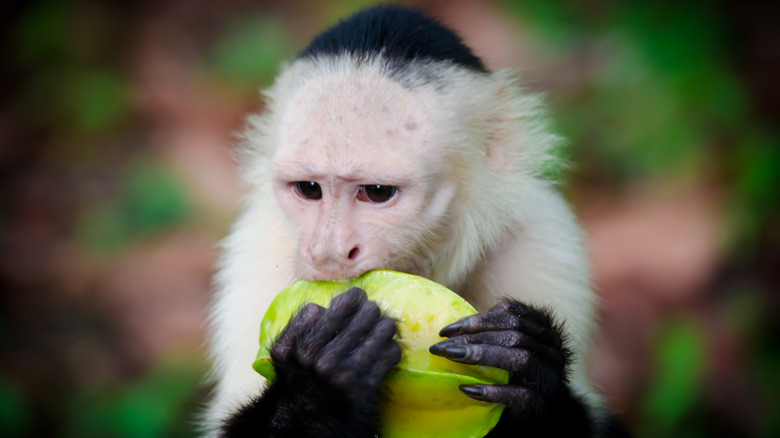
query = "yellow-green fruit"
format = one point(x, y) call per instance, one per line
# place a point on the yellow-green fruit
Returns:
point(422, 395)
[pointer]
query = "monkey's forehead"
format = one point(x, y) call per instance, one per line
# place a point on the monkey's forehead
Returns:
point(360, 114)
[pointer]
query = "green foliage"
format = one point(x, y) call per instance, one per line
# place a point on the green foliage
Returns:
point(686, 47)
point(15, 413)
point(680, 368)
point(71, 86)
point(662, 92)
point(556, 22)
point(149, 200)
point(746, 316)
point(248, 54)
point(94, 100)
point(753, 205)
point(42, 35)
point(159, 404)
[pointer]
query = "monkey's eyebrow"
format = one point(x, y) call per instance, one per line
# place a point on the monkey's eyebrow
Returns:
point(294, 170)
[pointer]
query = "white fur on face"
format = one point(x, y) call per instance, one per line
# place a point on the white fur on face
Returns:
point(344, 131)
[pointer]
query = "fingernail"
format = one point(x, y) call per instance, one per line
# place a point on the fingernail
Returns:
point(451, 329)
point(438, 347)
point(472, 391)
point(454, 351)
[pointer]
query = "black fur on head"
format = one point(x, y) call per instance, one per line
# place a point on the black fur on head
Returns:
point(400, 35)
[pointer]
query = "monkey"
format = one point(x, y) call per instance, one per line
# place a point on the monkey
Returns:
point(387, 144)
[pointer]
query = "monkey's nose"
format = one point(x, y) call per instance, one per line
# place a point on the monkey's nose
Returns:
point(332, 263)
point(328, 255)
point(345, 259)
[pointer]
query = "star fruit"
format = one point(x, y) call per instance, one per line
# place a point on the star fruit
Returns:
point(422, 399)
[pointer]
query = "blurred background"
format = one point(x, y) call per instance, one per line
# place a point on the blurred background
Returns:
point(117, 182)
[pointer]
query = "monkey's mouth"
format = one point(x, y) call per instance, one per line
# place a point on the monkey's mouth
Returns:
point(345, 277)
point(334, 276)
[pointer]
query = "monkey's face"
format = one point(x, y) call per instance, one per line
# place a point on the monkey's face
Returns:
point(360, 173)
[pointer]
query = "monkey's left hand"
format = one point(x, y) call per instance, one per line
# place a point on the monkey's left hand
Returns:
point(520, 339)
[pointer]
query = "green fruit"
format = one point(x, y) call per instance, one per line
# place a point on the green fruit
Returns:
point(422, 395)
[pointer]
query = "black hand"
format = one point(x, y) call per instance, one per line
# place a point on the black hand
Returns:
point(520, 339)
point(330, 364)
point(350, 345)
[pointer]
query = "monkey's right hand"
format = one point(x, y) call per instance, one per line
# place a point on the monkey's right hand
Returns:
point(349, 346)
point(330, 364)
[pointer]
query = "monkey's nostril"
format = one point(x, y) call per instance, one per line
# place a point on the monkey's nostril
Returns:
point(353, 253)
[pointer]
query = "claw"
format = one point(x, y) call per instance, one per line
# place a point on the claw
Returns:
point(451, 329)
point(454, 351)
point(438, 348)
point(472, 391)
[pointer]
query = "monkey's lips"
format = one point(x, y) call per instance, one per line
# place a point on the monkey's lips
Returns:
point(423, 399)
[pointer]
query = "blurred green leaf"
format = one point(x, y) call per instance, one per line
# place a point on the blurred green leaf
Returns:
point(758, 175)
point(745, 313)
point(555, 21)
point(154, 199)
point(43, 34)
point(94, 100)
point(160, 404)
point(752, 205)
point(149, 199)
point(248, 54)
point(680, 366)
point(14, 411)
point(685, 44)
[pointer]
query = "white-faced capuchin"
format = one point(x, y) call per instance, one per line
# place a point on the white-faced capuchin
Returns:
point(386, 144)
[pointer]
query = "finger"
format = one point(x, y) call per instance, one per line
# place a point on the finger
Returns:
point(529, 313)
point(496, 322)
point(371, 362)
point(342, 345)
point(363, 316)
point(502, 338)
point(510, 359)
point(362, 322)
point(481, 322)
point(549, 356)
point(336, 317)
point(513, 397)
point(348, 298)
point(383, 352)
point(383, 332)
point(296, 329)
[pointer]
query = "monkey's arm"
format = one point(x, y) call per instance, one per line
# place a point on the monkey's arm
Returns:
point(527, 342)
point(330, 364)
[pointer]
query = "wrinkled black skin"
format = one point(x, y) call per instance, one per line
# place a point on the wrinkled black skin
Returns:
point(330, 365)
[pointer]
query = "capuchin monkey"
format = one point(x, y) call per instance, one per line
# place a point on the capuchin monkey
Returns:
point(386, 144)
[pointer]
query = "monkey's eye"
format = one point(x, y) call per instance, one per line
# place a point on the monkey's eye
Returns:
point(308, 190)
point(376, 193)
